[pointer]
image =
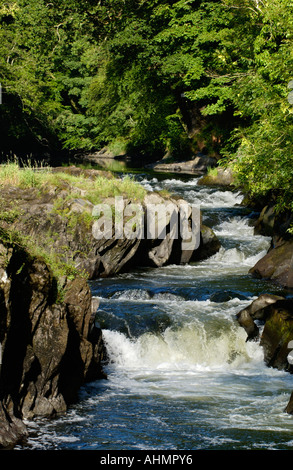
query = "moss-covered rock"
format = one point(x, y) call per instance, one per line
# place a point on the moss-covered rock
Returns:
point(218, 177)
point(277, 333)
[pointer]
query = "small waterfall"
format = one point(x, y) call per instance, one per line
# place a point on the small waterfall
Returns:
point(189, 348)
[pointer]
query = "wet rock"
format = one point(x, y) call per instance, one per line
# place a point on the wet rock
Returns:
point(247, 322)
point(12, 429)
point(255, 311)
point(50, 345)
point(276, 313)
point(277, 333)
point(197, 166)
point(219, 177)
point(209, 244)
point(277, 265)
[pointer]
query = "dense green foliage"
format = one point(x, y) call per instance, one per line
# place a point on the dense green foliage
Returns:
point(153, 77)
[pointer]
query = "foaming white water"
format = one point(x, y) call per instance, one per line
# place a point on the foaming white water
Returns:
point(181, 184)
point(153, 184)
point(198, 195)
point(214, 199)
point(235, 257)
point(235, 227)
point(191, 348)
point(248, 248)
point(139, 295)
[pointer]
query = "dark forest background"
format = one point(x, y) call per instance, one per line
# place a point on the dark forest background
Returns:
point(153, 79)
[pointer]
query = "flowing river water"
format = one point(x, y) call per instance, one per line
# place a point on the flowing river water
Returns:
point(181, 374)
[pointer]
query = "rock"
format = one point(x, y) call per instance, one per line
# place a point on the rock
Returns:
point(273, 223)
point(276, 313)
point(277, 333)
point(163, 238)
point(276, 265)
point(12, 429)
point(246, 321)
point(68, 230)
point(197, 166)
point(49, 347)
point(265, 224)
point(209, 244)
point(171, 248)
point(289, 407)
point(218, 177)
point(255, 311)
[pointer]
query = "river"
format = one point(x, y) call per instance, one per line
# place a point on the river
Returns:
point(181, 374)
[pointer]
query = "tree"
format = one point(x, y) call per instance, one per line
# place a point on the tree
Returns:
point(263, 159)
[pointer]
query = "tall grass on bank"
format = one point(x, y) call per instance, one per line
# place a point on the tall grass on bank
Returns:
point(95, 190)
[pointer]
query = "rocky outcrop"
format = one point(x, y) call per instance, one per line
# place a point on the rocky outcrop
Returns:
point(277, 334)
point(255, 311)
point(273, 223)
point(277, 264)
point(67, 228)
point(275, 316)
point(49, 343)
point(197, 166)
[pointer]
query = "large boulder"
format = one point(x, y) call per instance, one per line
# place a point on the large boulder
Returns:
point(12, 429)
point(197, 166)
point(277, 264)
point(218, 177)
point(272, 222)
point(277, 334)
point(255, 311)
point(65, 225)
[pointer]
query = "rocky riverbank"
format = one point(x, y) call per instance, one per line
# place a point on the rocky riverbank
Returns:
point(269, 319)
point(49, 343)
point(49, 346)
